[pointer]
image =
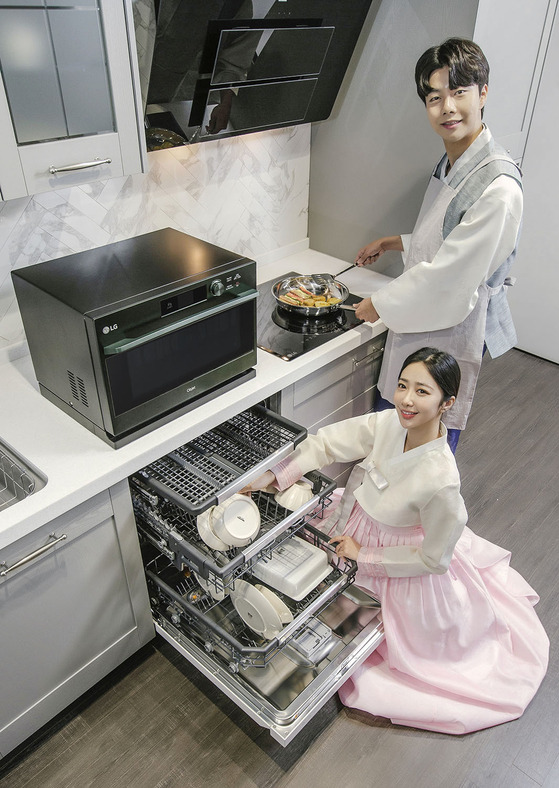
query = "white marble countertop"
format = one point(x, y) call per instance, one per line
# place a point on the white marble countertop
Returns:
point(78, 464)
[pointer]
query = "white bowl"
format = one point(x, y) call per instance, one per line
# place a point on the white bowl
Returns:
point(204, 525)
point(236, 521)
point(295, 496)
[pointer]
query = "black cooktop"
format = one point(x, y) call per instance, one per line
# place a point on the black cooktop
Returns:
point(288, 335)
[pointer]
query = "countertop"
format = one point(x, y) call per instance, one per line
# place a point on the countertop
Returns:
point(78, 465)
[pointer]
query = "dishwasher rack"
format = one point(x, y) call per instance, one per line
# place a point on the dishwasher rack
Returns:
point(15, 482)
point(172, 529)
point(177, 599)
point(210, 468)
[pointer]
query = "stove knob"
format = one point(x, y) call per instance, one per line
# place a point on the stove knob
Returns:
point(217, 287)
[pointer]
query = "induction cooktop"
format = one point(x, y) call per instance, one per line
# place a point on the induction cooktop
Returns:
point(288, 335)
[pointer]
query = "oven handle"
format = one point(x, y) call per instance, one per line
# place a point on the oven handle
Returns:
point(127, 343)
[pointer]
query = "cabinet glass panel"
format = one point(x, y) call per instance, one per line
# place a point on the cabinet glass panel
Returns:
point(30, 77)
point(80, 57)
point(46, 56)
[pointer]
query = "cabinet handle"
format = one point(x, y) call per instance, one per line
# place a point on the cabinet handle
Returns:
point(83, 166)
point(376, 354)
point(32, 555)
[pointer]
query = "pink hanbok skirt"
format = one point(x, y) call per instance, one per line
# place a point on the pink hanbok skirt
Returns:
point(463, 651)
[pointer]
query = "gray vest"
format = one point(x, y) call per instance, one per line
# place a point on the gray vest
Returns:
point(500, 334)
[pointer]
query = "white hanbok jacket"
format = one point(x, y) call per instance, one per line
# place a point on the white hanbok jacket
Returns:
point(420, 487)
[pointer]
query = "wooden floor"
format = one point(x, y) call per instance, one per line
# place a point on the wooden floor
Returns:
point(156, 723)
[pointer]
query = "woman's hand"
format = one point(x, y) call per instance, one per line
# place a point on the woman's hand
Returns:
point(346, 547)
point(365, 310)
point(261, 483)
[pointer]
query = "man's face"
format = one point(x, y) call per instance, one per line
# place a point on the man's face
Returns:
point(455, 114)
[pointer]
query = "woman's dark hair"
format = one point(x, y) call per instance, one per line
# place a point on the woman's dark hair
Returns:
point(442, 367)
point(467, 65)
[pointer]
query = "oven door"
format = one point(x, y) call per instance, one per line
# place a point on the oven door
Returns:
point(157, 368)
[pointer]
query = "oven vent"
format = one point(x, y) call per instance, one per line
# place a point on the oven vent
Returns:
point(77, 387)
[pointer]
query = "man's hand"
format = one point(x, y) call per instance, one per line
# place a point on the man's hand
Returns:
point(366, 311)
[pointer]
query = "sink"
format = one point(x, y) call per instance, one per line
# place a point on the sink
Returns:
point(18, 477)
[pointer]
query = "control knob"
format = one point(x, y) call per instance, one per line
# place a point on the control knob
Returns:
point(217, 287)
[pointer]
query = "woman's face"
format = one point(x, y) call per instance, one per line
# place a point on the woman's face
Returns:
point(419, 399)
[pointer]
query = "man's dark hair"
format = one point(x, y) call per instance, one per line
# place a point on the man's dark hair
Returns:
point(467, 65)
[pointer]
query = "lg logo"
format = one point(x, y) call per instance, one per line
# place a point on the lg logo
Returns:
point(108, 329)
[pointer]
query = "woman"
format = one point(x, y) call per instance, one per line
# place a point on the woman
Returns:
point(464, 649)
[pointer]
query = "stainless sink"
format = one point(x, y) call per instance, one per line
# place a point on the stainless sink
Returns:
point(18, 477)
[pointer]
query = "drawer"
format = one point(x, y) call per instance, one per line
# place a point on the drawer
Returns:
point(81, 153)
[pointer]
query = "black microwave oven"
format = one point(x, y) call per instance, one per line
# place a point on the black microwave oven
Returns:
point(128, 336)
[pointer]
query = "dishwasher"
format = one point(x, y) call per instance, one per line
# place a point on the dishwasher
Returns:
point(275, 622)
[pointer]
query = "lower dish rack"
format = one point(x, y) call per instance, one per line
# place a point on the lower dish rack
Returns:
point(176, 596)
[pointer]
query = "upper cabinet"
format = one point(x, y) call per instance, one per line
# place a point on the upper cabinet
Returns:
point(68, 109)
point(514, 35)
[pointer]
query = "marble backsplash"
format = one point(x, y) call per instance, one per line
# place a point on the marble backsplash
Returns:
point(248, 194)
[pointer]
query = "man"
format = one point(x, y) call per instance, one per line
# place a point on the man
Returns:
point(451, 294)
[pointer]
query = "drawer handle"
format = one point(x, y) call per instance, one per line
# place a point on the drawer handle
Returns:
point(83, 166)
point(376, 354)
point(35, 554)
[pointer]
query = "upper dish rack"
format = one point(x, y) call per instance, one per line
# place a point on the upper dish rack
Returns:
point(210, 468)
point(173, 530)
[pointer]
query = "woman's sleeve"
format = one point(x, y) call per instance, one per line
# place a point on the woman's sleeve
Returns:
point(441, 293)
point(443, 519)
point(345, 441)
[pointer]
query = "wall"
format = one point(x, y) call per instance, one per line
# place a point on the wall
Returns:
point(371, 160)
point(248, 194)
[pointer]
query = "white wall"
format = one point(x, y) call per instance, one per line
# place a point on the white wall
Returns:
point(248, 194)
point(534, 298)
point(370, 162)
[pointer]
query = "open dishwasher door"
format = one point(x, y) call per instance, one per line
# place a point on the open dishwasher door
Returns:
point(287, 692)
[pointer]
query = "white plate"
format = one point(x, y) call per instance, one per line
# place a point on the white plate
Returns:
point(278, 604)
point(256, 611)
point(203, 523)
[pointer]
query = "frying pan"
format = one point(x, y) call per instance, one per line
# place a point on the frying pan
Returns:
point(317, 284)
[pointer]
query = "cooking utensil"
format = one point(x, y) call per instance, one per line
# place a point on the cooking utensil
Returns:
point(317, 284)
point(345, 269)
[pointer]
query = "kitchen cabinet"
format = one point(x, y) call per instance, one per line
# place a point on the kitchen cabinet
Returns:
point(514, 36)
point(68, 93)
point(73, 606)
point(338, 391)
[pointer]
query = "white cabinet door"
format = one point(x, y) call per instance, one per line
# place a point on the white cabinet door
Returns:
point(513, 35)
point(66, 121)
point(339, 391)
point(73, 605)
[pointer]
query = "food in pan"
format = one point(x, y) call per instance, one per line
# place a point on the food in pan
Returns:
point(299, 296)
